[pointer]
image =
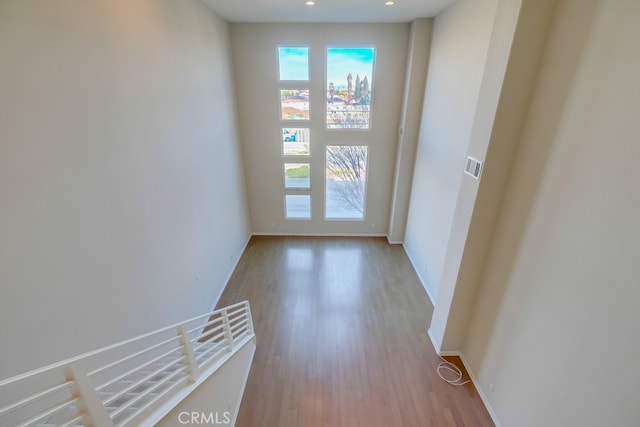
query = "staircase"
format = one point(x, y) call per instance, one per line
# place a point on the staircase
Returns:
point(132, 383)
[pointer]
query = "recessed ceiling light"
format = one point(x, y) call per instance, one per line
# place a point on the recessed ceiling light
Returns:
point(389, 3)
point(310, 3)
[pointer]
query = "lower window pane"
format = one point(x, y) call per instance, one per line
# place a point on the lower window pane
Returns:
point(297, 206)
point(297, 175)
point(346, 177)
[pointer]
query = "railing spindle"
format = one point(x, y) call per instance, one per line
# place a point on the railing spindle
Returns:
point(227, 330)
point(249, 318)
point(89, 400)
point(134, 386)
point(190, 358)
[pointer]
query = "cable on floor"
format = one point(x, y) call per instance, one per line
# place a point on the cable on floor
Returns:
point(445, 365)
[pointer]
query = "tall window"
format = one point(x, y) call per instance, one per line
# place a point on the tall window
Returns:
point(346, 178)
point(293, 73)
point(349, 81)
point(349, 85)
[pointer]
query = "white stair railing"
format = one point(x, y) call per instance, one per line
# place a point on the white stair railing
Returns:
point(134, 382)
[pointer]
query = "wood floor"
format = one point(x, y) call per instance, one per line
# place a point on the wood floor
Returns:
point(341, 338)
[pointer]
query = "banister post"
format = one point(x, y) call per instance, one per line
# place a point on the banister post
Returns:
point(187, 351)
point(227, 330)
point(249, 318)
point(90, 402)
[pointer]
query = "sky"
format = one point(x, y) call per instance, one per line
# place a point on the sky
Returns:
point(342, 61)
point(293, 63)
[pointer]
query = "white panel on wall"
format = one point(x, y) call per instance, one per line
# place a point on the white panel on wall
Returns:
point(459, 46)
point(256, 65)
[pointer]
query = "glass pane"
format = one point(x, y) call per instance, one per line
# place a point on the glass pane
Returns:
point(294, 104)
point(297, 206)
point(295, 142)
point(349, 80)
point(346, 176)
point(297, 175)
point(293, 63)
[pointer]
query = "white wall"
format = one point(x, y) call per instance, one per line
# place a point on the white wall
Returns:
point(255, 60)
point(554, 328)
point(514, 57)
point(459, 46)
point(410, 122)
point(120, 172)
point(217, 400)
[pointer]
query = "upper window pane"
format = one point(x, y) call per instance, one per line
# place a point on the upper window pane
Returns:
point(294, 104)
point(293, 63)
point(349, 86)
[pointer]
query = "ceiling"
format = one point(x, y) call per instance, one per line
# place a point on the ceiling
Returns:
point(351, 11)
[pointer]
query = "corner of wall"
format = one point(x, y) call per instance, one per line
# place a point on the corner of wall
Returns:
point(476, 384)
point(420, 277)
point(237, 257)
point(485, 400)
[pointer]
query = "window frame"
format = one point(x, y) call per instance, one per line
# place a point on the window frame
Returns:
point(326, 85)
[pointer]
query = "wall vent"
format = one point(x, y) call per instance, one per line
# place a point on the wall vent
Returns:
point(473, 167)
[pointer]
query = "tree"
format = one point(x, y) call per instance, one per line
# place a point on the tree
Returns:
point(346, 173)
point(365, 90)
point(357, 95)
point(300, 172)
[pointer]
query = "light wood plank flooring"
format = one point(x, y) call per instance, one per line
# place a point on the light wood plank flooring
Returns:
point(341, 338)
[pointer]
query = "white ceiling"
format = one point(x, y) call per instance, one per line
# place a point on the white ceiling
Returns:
point(325, 10)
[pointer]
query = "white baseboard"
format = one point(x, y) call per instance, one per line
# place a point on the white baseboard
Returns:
point(435, 344)
point(394, 242)
point(230, 273)
point(473, 378)
point(319, 234)
point(422, 281)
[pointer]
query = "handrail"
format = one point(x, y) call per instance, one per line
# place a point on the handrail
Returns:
point(131, 371)
point(122, 383)
point(50, 411)
point(131, 356)
point(35, 397)
point(53, 366)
